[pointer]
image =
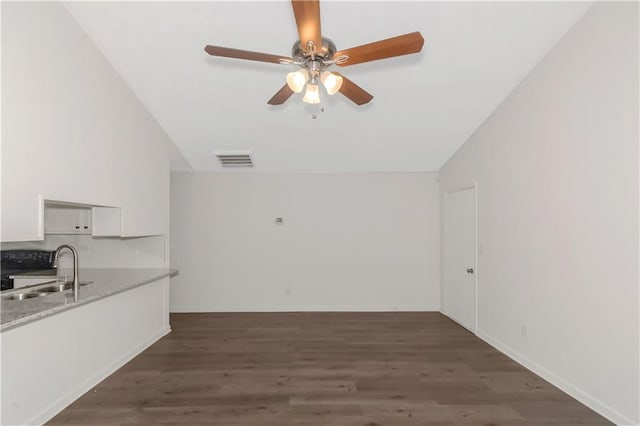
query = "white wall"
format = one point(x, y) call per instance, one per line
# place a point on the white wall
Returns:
point(348, 242)
point(557, 173)
point(72, 130)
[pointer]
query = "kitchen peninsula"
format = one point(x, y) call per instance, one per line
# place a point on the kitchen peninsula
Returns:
point(68, 347)
point(100, 283)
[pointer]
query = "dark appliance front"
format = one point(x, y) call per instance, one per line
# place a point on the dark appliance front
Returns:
point(19, 261)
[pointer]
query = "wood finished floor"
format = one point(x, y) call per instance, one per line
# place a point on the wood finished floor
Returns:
point(333, 369)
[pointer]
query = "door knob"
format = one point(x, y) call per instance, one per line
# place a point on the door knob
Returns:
point(469, 270)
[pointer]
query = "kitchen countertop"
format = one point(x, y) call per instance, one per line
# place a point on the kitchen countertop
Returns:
point(105, 283)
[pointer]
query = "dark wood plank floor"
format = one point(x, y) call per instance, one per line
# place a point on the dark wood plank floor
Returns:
point(333, 369)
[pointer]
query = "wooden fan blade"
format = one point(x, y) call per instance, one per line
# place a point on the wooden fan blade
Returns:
point(281, 97)
point(307, 13)
point(354, 92)
point(244, 54)
point(388, 48)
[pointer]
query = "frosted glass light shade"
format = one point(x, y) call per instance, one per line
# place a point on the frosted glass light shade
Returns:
point(331, 81)
point(297, 79)
point(312, 94)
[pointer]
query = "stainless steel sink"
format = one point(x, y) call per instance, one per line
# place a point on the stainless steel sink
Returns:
point(22, 296)
point(41, 290)
point(55, 288)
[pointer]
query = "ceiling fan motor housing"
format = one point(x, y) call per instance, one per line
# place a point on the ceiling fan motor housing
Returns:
point(300, 53)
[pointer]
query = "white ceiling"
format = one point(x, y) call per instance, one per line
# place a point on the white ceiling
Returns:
point(425, 105)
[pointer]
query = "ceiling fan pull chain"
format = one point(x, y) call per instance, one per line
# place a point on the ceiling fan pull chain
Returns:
point(318, 108)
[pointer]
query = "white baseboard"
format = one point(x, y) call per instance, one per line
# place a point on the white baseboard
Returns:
point(60, 404)
point(567, 387)
point(220, 309)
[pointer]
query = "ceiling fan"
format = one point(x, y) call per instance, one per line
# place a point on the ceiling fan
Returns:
point(314, 54)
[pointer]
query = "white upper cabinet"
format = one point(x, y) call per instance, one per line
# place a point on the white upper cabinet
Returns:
point(61, 219)
point(106, 221)
point(68, 219)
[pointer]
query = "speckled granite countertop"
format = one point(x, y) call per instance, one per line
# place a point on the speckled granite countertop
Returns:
point(106, 282)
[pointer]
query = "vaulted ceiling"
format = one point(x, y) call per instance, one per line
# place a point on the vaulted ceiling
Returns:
point(425, 106)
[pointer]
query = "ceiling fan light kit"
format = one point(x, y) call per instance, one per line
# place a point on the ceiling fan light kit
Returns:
point(297, 79)
point(312, 94)
point(314, 54)
point(331, 81)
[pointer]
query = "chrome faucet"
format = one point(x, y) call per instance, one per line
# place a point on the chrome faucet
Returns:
point(76, 281)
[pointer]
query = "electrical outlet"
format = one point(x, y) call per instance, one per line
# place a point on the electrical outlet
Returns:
point(523, 331)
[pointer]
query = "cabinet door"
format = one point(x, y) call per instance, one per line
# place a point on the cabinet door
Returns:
point(106, 221)
point(67, 220)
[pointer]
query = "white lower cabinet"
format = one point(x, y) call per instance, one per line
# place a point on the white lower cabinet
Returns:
point(49, 363)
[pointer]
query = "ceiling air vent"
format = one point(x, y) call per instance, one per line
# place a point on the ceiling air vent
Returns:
point(237, 159)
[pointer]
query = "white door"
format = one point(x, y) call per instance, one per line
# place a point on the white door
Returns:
point(460, 256)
